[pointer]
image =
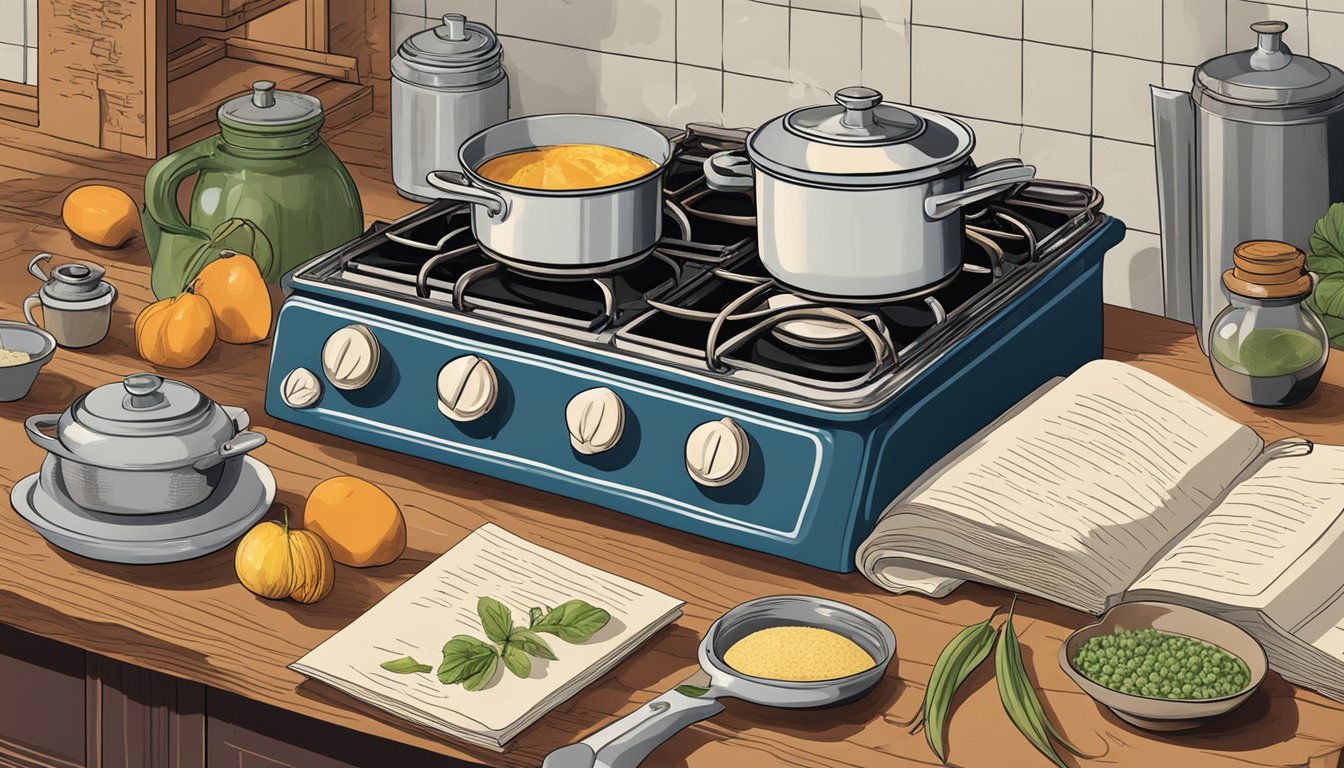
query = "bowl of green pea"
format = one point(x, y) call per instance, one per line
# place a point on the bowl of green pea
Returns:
point(1164, 667)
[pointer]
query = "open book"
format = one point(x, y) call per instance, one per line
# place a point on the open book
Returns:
point(1113, 485)
point(440, 602)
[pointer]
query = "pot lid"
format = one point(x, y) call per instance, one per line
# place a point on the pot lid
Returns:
point(1269, 74)
point(457, 52)
point(142, 404)
point(265, 109)
point(861, 141)
point(75, 283)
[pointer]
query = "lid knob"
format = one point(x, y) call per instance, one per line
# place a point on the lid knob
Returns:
point(1270, 53)
point(454, 27)
point(859, 103)
point(142, 391)
point(263, 94)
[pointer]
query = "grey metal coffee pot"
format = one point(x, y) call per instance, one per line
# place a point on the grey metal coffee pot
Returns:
point(1255, 151)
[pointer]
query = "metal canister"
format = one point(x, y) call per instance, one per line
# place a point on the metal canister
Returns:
point(448, 83)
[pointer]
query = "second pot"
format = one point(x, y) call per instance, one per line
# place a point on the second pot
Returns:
point(562, 231)
point(862, 201)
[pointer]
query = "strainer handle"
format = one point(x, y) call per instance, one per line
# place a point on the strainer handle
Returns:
point(626, 742)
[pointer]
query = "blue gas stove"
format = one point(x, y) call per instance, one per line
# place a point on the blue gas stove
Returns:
point(689, 389)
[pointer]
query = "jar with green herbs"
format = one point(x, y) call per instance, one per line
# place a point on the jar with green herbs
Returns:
point(1267, 347)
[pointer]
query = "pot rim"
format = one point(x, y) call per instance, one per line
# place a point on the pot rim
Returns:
point(469, 170)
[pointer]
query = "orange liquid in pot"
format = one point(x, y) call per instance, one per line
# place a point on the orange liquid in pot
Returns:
point(566, 167)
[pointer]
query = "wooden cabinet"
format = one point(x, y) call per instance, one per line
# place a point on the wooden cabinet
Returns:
point(63, 708)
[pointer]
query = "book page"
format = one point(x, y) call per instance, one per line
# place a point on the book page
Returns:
point(439, 602)
point(1273, 544)
point(1088, 483)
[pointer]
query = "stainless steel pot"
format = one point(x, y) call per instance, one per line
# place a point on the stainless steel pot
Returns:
point(142, 446)
point(562, 231)
point(862, 201)
point(1254, 152)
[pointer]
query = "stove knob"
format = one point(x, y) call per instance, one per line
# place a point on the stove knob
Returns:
point(301, 389)
point(596, 419)
point(468, 387)
point(716, 452)
point(350, 357)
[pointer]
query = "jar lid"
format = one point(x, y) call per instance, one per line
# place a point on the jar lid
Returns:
point(76, 282)
point(455, 53)
point(1268, 269)
point(141, 404)
point(266, 110)
point(861, 141)
point(1270, 74)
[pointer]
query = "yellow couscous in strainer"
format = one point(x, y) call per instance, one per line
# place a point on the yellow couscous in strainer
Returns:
point(626, 742)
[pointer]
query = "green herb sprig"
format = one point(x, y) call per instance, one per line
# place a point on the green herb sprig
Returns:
point(471, 662)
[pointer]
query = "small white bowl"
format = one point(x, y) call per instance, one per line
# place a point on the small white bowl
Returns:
point(1155, 714)
point(17, 380)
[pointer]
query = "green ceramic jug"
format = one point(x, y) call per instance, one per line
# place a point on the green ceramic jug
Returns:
point(267, 173)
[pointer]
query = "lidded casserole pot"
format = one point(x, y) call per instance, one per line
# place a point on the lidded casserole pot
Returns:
point(448, 83)
point(143, 445)
point(861, 199)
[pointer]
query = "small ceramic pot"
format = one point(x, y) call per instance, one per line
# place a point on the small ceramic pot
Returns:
point(76, 302)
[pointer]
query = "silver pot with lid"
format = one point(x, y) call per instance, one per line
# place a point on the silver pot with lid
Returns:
point(1255, 151)
point(861, 200)
point(448, 83)
point(144, 445)
point(76, 302)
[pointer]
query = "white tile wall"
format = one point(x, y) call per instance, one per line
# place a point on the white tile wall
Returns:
point(1062, 83)
point(18, 41)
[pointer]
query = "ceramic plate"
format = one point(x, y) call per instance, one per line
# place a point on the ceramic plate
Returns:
point(242, 497)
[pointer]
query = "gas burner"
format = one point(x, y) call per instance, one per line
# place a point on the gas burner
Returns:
point(813, 334)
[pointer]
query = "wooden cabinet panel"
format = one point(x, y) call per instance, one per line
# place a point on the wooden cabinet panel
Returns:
point(142, 719)
point(244, 734)
point(42, 716)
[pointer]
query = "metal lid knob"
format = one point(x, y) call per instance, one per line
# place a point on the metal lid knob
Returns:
point(140, 384)
point(263, 94)
point(859, 103)
point(454, 27)
point(1270, 53)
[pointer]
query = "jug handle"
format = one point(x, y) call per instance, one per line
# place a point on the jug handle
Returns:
point(166, 176)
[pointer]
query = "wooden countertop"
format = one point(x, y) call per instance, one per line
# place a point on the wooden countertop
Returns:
point(195, 621)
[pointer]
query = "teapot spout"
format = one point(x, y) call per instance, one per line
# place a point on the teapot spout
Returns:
point(1178, 200)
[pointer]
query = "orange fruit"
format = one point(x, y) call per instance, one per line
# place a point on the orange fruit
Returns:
point(102, 215)
point(360, 523)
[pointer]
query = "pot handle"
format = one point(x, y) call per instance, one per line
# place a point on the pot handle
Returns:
point(34, 426)
point(29, 302)
point(238, 415)
point(493, 202)
point(242, 443)
point(986, 182)
point(729, 171)
point(626, 742)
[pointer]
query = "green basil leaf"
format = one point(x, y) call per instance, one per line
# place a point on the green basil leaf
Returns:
point(533, 616)
point(530, 642)
point(463, 656)
point(405, 666)
point(694, 691)
point(573, 622)
point(1327, 239)
point(518, 662)
point(1329, 296)
point(496, 619)
point(483, 674)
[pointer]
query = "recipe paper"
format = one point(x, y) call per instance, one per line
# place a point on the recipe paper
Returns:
point(439, 602)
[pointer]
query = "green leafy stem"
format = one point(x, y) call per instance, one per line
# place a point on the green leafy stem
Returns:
point(471, 662)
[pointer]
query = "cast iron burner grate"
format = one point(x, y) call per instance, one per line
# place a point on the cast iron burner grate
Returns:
point(703, 299)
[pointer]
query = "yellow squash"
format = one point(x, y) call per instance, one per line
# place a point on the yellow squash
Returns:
point(102, 215)
point(176, 332)
point(239, 297)
point(276, 561)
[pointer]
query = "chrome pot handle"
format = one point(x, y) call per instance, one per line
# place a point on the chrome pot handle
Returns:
point(729, 171)
point(34, 426)
point(493, 202)
point(626, 742)
point(242, 443)
point(984, 183)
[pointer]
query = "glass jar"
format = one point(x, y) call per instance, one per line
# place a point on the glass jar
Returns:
point(1267, 348)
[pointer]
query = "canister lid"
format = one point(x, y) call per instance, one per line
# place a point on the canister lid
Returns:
point(861, 141)
point(77, 283)
point(1269, 74)
point(1268, 269)
point(454, 54)
point(265, 109)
